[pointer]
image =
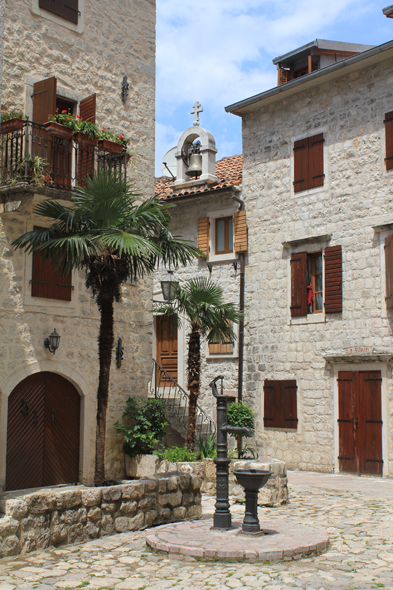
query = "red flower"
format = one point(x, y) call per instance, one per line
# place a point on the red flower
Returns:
point(68, 118)
point(63, 111)
point(103, 130)
point(78, 116)
point(121, 136)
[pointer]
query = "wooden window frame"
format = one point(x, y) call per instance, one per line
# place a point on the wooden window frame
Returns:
point(388, 123)
point(312, 256)
point(66, 11)
point(226, 250)
point(280, 400)
point(308, 165)
point(224, 348)
point(51, 287)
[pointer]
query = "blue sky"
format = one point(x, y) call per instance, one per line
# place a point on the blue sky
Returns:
point(221, 51)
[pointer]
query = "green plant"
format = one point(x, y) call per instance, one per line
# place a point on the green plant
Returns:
point(145, 427)
point(240, 414)
point(177, 454)
point(65, 118)
point(103, 134)
point(207, 447)
point(87, 128)
point(13, 115)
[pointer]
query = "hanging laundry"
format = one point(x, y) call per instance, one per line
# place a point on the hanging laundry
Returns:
point(310, 295)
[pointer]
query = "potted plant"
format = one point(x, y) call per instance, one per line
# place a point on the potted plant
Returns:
point(12, 121)
point(61, 124)
point(86, 133)
point(109, 142)
point(240, 414)
point(144, 428)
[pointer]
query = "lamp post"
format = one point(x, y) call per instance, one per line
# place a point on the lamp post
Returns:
point(52, 343)
point(168, 286)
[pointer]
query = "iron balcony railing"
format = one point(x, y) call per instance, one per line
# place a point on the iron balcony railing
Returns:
point(176, 400)
point(33, 156)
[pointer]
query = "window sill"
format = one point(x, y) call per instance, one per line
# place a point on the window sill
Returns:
point(231, 257)
point(311, 318)
point(220, 356)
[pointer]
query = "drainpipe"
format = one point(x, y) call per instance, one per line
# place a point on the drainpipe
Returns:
point(242, 256)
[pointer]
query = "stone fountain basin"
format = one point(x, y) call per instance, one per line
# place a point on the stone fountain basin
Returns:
point(252, 479)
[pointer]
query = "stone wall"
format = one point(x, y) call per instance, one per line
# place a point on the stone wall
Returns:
point(357, 195)
point(74, 515)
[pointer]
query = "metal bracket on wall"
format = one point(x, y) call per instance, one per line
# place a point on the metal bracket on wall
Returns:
point(119, 353)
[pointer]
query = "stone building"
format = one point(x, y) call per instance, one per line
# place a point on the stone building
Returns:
point(73, 56)
point(317, 183)
point(206, 210)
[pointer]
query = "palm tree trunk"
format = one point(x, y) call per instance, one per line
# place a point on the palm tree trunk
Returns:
point(105, 346)
point(194, 371)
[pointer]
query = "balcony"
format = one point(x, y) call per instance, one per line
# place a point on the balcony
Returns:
point(35, 156)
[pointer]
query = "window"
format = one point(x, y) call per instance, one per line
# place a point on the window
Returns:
point(280, 404)
point(221, 347)
point(389, 271)
point(308, 163)
point(389, 140)
point(307, 293)
point(67, 9)
point(224, 235)
point(47, 282)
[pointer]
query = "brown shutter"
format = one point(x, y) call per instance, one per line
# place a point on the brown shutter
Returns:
point(272, 403)
point(47, 282)
point(44, 100)
point(203, 235)
point(67, 9)
point(315, 159)
point(333, 279)
point(389, 271)
point(389, 140)
point(300, 156)
point(240, 229)
point(288, 404)
point(87, 109)
point(299, 284)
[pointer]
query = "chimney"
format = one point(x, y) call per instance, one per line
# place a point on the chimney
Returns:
point(388, 11)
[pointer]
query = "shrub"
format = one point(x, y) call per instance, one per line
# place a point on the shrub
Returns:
point(177, 454)
point(240, 415)
point(208, 447)
point(12, 115)
point(145, 426)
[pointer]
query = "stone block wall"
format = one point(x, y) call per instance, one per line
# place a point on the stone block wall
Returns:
point(74, 515)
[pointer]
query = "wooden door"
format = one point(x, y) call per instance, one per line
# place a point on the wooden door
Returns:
point(166, 345)
point(43, 432)
point(360, 423)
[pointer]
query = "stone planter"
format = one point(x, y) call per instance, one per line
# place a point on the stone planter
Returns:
point(11, 125)
point(110, 146)
point(196, 467)
point(142, 465)
point(58, 130)
point(82, 139)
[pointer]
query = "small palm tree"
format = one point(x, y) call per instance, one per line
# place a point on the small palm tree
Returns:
point(113, 240)
point(201, 303)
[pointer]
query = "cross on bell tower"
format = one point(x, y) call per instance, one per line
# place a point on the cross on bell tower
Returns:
point(196, 109)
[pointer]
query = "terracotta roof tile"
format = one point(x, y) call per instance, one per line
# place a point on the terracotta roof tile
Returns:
point(228, 172)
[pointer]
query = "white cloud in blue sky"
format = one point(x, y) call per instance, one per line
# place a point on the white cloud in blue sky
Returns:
point(221, 51)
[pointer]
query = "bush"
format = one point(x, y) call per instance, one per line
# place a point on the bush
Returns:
point(240, 415)
point(208, 447)
point(145, 427)
point(177, 454)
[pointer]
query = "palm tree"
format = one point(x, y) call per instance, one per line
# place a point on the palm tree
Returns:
point(201, 302)
point(111, 237)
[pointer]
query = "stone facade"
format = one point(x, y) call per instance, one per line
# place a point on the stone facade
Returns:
point(91, 57)
point(74, 515)
point(348, 106)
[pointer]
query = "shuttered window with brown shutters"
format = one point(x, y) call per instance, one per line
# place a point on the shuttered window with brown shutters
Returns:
point(280, 404)
point(221, 347)
point(44, 100)
point(333, 280)
point(203, 235)
point(47, 282)
point(67, 9)
point(389, 271)
point(308, 163)
point(389, 140)
point(240, 227)
point(87, 111)
point(299, 284)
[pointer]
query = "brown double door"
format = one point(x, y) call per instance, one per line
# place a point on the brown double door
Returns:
point(166, 347)
point(360, 422)
point(43, 433)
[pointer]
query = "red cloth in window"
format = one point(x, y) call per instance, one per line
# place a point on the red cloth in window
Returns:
point(310, 295)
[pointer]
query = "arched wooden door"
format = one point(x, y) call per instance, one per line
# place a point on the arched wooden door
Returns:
point(43, 432)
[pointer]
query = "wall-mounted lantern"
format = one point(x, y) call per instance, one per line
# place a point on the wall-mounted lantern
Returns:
point(119, 353)
point(52, 343)
point(124, 89)
point(168, 286)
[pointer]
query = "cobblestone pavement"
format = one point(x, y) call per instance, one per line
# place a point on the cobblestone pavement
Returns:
point(359, 522)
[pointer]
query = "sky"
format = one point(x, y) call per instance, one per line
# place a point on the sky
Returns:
point(218, 52)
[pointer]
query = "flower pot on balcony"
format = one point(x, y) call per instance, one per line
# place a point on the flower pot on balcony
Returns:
point(110, 146)
point(83, 139)
point(11, 125)
point(58, 130)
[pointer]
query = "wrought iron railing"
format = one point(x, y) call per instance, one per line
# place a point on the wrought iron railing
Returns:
point(164, 387)
point(32, 155)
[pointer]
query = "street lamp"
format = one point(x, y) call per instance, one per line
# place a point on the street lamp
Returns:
point(168, 286)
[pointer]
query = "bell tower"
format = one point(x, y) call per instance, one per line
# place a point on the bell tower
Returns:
point(195, 155)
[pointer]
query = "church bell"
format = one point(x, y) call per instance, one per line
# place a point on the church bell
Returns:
point(195, 166)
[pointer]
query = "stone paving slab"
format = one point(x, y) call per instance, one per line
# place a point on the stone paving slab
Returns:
point(199, 540)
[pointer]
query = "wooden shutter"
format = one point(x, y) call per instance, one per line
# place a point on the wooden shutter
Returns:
point(87, 111)
point(203, 235)
point(389, 271)
point(315, 161)
point(67, 9)
point(87, 108)
point(240, 231)
point(47, 282)
point(44, 100)
point(300, 156)
point(333, 279)
point(346, 417)
point(288, 404)
point(389, 140)
point(272, 403)
point(299, 284)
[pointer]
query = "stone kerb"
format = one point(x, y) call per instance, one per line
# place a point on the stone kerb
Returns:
point(30, 521)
